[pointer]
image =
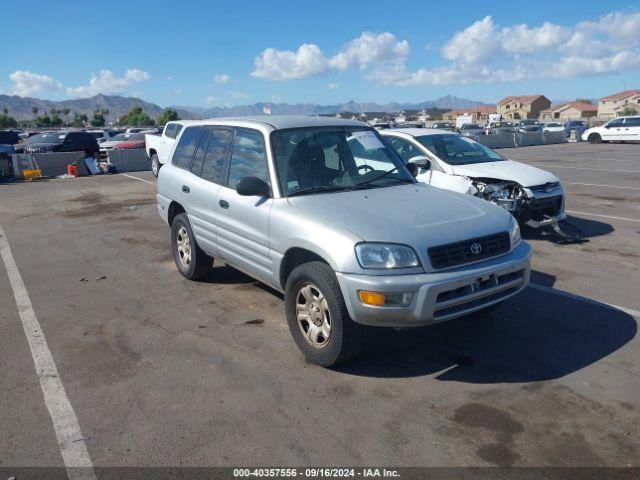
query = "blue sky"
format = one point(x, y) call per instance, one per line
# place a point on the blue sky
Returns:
point(205, 53)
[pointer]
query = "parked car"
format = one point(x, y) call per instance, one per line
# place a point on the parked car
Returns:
point(104, 135)
point(500, 127)
point(553, 127)
point(528, 126)
point(108, 145)
point(571, 125)
point(159, 147)
point(62, 141)
point(443, 126)
point(533, 196)
point(621, 129)
point(133, 141)
point(324, 211)
point(137, 129)
point(8, 139)
point(469, 129)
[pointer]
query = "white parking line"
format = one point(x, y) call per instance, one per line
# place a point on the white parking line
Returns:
point(629, 311)
point(137, 178)
point(65, 423)
point(547, 165)
point(626, 219)
point(600, 185)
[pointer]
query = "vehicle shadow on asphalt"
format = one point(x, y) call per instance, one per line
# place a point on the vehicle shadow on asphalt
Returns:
point(582, 227)
point(536, 335)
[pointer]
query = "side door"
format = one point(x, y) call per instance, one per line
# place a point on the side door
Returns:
point(243, 222)
point(613, 130)
point(72, 142)
point(632, 129)
point(208, 171)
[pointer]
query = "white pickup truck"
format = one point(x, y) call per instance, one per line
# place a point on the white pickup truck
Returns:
point(159, 147)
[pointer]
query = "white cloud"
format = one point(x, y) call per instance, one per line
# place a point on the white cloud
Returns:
point(522, 39)
point(238, 95)
point(333, 86)
point(177, 91)
point(274, 64)
point(475, 44)
point(309, 60)
point(221, 78)
point(26, 83)
point(211, 100)
point(107, 82)
point(368, 49)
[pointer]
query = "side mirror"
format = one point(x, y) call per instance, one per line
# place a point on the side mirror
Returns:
point(252, 187)
point(607, 126)
point(420, 161)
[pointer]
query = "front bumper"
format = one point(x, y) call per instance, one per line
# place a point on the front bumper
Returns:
point(439, 296)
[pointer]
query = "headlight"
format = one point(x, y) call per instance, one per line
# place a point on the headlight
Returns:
point(386, 255)
point(514, 232)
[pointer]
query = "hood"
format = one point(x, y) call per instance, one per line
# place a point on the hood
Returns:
point(525, 175)
point(418, 215)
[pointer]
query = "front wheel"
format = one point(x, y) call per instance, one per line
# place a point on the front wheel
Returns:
point(155, 165)
point(595, 138)
point(317, 316)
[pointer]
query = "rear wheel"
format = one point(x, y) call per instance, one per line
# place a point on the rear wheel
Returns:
point(190, 259)
point(155, 165)
point(317, 316)
point(595, 138)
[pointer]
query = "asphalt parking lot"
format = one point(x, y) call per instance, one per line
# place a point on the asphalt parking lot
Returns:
point(162, 371)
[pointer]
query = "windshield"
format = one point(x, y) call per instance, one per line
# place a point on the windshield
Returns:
point(315, 159)
point(121, 137)
point(553, 124)
point(471, 126)
point(529, 122)
point(457, 150)
point(51, 137)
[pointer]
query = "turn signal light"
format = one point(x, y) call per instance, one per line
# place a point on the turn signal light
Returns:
point(381, 299)
point(375, 299)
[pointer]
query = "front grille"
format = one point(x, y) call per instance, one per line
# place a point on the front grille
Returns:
point(545, 207)
point(545, 187)
point(459, 253)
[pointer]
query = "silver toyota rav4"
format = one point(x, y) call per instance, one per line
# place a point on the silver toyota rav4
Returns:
point(324, 211)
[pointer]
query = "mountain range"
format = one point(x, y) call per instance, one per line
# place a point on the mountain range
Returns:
point(21, 107)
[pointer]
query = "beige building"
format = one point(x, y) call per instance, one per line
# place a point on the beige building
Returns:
point(480, 114)
point(610, 107)
point(568, 111)
point(524, 106)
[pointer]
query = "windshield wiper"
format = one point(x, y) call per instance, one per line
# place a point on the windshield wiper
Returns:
point(388, 172)
point(325, 188)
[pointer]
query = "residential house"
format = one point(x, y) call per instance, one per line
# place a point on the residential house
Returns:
point(610, 106)
point(524, 106)
point(564, 112)
point(480, 113)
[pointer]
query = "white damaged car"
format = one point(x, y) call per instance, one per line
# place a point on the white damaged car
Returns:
point(453, 162)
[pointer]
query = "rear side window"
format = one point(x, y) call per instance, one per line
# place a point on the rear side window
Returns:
point(198, 159)
point(214, 164)
point(632, 122)
point(186, 148)
point(247, 157)
point(170, 131)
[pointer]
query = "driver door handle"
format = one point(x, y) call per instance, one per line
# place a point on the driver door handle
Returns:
point(223, 204)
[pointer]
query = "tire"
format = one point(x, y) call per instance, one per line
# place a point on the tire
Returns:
point(595, 138)
point(315, 284)
point(191, 261)
point(155, 164)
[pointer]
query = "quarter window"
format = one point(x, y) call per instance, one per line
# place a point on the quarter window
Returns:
point(214, 163)
point(247, 157)
point(186, 148)
point(632, 122)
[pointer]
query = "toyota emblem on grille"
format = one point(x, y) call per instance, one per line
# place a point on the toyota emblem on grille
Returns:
point(476, 248)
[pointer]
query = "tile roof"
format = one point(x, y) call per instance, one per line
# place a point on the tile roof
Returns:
point(525, 99)
point(620, 95)
point(486, 109)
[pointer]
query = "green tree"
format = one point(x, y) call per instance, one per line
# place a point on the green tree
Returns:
point(66, 112)
point(167, 115)
point(44, 121)
point(79, 119)
point(136, 117)
point(98, 119)
point(584, 100)
point(627, 111)
point(6, 121)
point(34, 110)
point(56, 121)
point(5, 110)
